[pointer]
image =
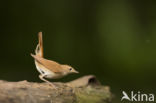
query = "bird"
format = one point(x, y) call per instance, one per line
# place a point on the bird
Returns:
point(48, 68)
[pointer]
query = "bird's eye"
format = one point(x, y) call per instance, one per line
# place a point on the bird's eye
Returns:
point(70, 69)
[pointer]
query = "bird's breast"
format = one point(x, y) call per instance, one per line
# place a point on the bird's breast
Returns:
point(54, 75)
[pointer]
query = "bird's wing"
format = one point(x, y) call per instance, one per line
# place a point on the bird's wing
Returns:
point(51, 65)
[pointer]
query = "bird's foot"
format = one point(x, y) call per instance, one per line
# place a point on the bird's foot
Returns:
point(51, 84)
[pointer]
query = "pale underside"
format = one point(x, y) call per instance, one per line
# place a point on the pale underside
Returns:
point(48, 73)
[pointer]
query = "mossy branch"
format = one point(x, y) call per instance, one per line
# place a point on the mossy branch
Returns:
point(86, 89)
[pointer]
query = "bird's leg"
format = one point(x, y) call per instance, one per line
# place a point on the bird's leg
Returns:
point(41, 76)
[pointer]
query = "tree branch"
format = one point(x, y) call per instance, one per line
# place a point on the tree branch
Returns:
point(86, 89)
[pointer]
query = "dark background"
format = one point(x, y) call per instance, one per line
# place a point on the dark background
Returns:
point(116, 41)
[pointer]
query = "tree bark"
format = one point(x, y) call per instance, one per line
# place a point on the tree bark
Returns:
point(86, 89)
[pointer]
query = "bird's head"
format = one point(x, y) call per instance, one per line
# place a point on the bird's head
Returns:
point(68, 69)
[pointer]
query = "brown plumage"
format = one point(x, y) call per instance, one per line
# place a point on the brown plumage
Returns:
point(51, 65)
point(48, 68)
point(39, 48)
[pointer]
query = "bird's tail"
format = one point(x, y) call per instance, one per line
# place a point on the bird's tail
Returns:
point(39, 47)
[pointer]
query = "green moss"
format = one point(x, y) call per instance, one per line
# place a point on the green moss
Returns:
point(92, 95)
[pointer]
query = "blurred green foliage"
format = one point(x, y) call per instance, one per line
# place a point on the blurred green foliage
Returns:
point(114, 40)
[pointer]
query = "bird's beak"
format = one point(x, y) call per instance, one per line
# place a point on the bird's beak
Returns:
point(76, 71)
